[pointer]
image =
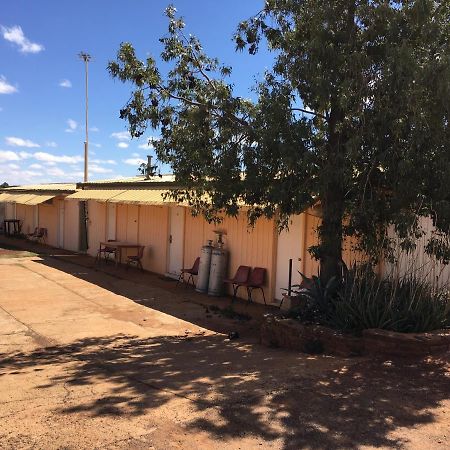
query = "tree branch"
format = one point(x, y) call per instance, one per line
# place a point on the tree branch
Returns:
point(307, 111)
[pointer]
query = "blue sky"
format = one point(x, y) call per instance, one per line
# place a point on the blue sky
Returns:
point(42, 79)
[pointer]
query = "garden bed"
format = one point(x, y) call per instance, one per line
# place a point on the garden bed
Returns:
point(310, 338)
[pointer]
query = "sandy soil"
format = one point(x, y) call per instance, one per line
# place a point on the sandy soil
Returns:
point(94, 361)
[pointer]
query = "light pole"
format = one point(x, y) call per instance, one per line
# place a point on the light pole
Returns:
point(86, 58)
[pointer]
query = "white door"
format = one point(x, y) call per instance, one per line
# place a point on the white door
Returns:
point(111, 221)
point(176, 240)
point(61, 225)
point(290, 246)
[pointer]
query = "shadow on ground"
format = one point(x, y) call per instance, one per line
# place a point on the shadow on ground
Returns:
point(219, 314)
point(235, 389)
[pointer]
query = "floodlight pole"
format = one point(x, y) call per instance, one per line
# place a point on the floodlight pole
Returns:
point(86, 58)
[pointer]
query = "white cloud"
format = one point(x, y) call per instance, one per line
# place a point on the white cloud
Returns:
point(94, 168)
point(5, 87)
point(134, 161)
point(8, 155)
point(123, 145)
point(16, 36)
point(56, 172)
point(19, 142)
point(136, 155)
point(73, 125)
point(95, 145)
point(24, 155)
point(36, 166)
point(104, 161)
point(94, 129)
point(65, 83)
point(51, 144)
point(14, 166)
point(146, 146)
point(50, 158)
point(121, 135)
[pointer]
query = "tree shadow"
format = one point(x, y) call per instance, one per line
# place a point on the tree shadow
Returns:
point(237, 389)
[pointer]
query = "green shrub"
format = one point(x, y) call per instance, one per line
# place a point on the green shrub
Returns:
point(407, 304)
point(363, 300)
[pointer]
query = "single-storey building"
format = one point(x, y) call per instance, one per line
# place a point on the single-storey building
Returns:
point(135, 210)
point(43, 206)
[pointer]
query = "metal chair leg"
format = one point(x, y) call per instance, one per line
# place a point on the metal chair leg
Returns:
point(264, 296)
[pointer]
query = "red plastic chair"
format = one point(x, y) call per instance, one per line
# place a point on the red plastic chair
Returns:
point(136, 259)
point(256, 281)
point(193, 271)
point(239, 279)
point(106, 252)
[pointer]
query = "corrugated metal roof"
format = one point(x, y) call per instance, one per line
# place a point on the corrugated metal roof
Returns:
point(101, 195)
point(43, 187)
point(142, 197)
point(139, 179)
point(18, 197)
point(4, 197)
point(38, 199)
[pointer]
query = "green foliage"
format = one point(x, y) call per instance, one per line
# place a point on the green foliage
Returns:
point(406, 305)
point(354, 112)
point(362, 300)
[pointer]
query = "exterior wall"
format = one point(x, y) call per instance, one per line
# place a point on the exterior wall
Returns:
point(127, 225)
point(246, 246)
point(153, 234)
point(144, 225)
point(96, 225)
point(26, 214)
point(311, 266)
point(71, 225)
point(418, 262)
point(48, 218)
point(9, 210)
point(2, 213)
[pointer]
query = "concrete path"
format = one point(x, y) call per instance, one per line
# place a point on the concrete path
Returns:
point(89, 361)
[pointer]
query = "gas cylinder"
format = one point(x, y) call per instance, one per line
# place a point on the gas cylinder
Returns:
point(204, 268)
point(219, 259)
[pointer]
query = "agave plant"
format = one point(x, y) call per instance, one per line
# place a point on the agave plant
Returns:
point(361, 300)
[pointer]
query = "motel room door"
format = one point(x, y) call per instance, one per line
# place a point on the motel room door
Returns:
point(176, 241)
point(290, 246)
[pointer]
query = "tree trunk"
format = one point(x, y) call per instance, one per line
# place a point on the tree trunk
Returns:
point(332, 199)
point(330, 233)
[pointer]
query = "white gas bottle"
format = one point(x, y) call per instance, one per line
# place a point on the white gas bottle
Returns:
point(219, 259)
point(204, 268)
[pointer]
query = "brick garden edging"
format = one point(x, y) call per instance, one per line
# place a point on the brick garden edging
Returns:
point(291, 334)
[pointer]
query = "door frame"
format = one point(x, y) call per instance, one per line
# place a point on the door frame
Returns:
point(170, 234)
point(61, 220)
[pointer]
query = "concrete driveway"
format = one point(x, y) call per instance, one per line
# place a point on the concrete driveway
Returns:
point(91, 361)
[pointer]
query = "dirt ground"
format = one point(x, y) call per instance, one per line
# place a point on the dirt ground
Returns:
point(95, 360)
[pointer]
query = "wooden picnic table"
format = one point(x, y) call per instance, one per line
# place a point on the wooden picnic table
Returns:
point(119, 245)
point(11, 227)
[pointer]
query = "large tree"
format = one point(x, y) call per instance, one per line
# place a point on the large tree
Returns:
point(353, 115)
